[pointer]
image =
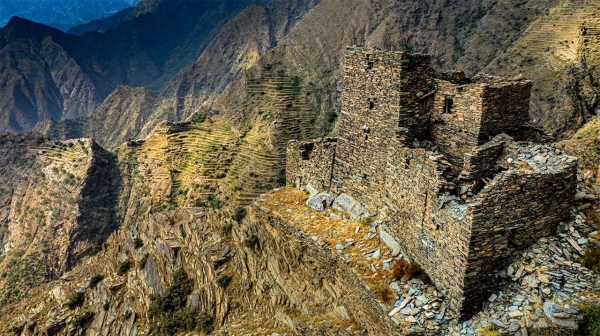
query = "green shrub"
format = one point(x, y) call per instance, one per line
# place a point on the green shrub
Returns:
point(84, 319)
point(95, 280)
point(591, 321)
point(170, 310)
point(123, 267)
point(216, 204)
point(223, 281)
point(591, 258)
point(137, 243)
point(240, 214)
point(106, 306)
point(75, 300)
point(408, 270)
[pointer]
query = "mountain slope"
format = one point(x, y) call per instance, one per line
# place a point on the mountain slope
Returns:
point(48, 74)
point(106, 23)
point(559, 52)
point(56, 205)
point(237, 47)
point(40, 80)
point(279, 280)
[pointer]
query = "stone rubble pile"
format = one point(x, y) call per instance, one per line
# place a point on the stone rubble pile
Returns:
point(542, 289)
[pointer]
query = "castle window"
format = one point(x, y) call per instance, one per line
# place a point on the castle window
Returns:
point(370, 65)
point(371, 105)
point(448, 105)
point(421, 106)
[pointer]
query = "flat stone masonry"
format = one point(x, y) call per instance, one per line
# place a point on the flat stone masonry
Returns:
point(442, 155)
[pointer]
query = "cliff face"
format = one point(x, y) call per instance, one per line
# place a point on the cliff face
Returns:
point(57, 204)
point(40, 79)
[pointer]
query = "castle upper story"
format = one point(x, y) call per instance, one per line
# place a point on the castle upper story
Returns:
point(398, 94)
point(447, 162)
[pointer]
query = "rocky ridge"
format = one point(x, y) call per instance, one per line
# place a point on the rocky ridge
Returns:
point(280, 280)
point(56, 206)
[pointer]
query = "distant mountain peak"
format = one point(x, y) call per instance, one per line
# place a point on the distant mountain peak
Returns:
point(61, 14)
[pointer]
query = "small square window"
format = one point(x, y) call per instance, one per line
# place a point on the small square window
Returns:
point(448, 105)
point(370, 65)
point(371, 105)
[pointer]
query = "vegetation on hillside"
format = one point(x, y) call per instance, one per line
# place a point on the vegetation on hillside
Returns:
point(170, 312)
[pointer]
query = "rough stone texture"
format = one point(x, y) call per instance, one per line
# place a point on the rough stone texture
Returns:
point(347, 203)
point(320, 201)
point(379, 95)
point(310, 163)
point(481, 108)
point(462, 197)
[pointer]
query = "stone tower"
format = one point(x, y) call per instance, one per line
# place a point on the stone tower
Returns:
point(378, 103)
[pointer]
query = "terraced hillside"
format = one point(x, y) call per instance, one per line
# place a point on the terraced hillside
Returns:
point(559, 52)
point(221, 158)
point(56, 205)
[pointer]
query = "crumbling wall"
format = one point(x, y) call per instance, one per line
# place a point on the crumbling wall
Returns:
point(310, 162)
point(505, 109)
point(514, 210)
point(432, 230)
point(376, 84)
point(481, 162)
point(457, 132)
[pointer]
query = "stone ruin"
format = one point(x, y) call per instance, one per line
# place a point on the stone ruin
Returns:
point(449, 160)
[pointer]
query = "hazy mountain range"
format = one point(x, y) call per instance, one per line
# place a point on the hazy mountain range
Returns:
point(61, 14)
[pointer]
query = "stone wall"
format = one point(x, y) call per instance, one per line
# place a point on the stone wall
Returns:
point(481, 162)
point(505, 109)
point(401, 146)
point(433, 230)
point(379, 101)
point(457, 132)
point(310, 162)
point(511, 213)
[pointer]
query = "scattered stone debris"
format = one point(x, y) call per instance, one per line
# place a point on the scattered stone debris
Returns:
point(542, 289)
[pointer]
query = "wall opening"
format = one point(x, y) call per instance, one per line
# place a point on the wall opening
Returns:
point(371, 105)
point(421, 106)
point(370, 65)
point(448, 105)
point(306, 150)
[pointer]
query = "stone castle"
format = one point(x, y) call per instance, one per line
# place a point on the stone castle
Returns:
point(449, 160)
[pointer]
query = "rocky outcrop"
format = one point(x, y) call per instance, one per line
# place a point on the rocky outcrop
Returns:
point(57, 204)
point(280, 279)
